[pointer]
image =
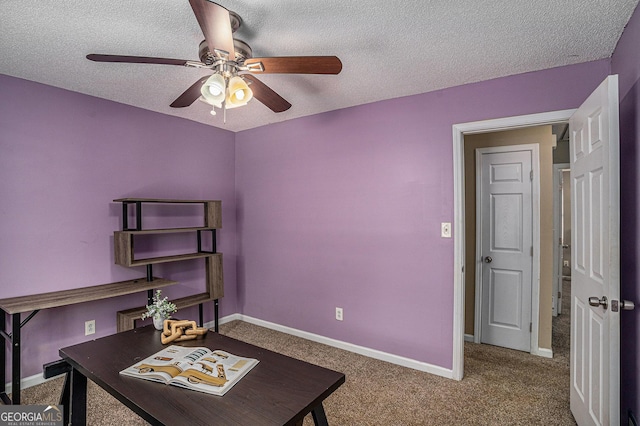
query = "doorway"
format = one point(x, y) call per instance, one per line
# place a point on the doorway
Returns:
point(523, 331)
point(460, 131)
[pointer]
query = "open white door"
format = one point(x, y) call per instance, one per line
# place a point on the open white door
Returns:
point(595, 223)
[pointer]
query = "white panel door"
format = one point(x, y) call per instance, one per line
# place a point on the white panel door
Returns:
point(506, 239)
point(595, 222)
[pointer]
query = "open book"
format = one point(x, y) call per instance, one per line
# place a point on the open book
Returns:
point(196, 368)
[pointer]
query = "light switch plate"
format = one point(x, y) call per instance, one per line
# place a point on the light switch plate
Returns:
point(445, 229)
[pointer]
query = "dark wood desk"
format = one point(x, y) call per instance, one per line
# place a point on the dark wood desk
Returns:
point(278, 391)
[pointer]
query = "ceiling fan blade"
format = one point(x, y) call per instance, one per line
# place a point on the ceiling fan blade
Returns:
point(190, 95)
point(266, 95)
point(296, 65)
point(135, 59)
point(215, 24)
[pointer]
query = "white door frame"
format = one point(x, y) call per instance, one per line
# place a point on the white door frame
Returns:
point(459, 130)
point(557, 235)
point(535, 240)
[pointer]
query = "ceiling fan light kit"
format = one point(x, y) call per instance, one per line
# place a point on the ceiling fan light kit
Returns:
point(232, 84)
point(234, 92)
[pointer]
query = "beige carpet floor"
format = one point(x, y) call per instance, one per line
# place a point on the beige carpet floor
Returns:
point(500, 386)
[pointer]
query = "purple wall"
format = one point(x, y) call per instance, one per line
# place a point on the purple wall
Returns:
point(344, 209)
point(63, 158)
point(338, 209)
point(626, 63)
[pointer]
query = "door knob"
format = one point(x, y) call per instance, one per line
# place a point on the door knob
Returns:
point(594, 301)
point(488, 259)
point(627, 305)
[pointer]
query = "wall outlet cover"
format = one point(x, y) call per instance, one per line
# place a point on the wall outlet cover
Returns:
point(445, 229)
point(89, 327)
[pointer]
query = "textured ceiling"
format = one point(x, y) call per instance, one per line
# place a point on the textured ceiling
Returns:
point(388, 49)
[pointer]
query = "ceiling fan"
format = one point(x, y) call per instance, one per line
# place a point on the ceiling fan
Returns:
point(232, 83)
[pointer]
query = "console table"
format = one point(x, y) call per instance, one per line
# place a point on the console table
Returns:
point(15, 306)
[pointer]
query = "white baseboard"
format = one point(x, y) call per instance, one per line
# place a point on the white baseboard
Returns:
point(27, 382)
point(543, 352)
point(372, 353)
point(37, 379)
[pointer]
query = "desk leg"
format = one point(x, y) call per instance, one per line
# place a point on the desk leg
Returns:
point(15, 359)
point(78, 404)
point(3, 359)
point(65, 399)
point(319, 417)
point(216, 314)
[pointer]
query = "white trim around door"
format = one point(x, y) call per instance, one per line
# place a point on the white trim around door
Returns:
point(459, 131)
point(558, 216)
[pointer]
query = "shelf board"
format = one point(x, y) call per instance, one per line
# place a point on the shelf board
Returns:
point(127, 318)
point(168, 230)
point(161, 200)
point(54, 299)
point(194, 299)
point(212, 209)
point(174, 258)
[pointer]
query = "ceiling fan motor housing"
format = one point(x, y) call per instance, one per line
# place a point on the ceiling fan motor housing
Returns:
point(243, 52)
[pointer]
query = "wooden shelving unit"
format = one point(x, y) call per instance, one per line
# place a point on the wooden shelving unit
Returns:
point(124, 250)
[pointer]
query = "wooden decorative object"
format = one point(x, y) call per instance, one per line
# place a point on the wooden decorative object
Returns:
point(180, 330)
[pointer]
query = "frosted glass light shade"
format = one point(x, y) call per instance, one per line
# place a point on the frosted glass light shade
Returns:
point(213, 90)
point(239, 92)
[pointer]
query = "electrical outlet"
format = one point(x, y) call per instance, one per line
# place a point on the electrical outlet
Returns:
point(445, 230)
point(89, 327)
point(339, 314)
point(565, 263)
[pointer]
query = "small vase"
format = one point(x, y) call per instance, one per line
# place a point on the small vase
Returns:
point(158, 322)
